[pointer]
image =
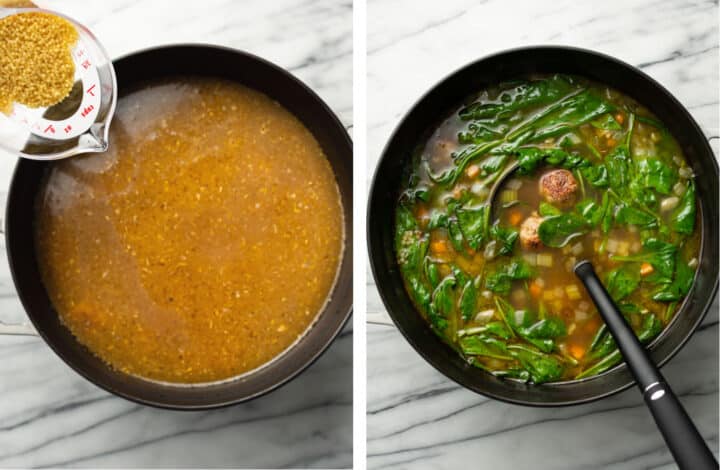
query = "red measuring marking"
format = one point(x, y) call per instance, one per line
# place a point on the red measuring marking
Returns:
point(87, 110)
point(67, 129)
point(49, 128)
point(90, 91)
point(86, 64)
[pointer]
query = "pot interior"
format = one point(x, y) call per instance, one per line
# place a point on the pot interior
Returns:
point(254, 73)
point(442, 100)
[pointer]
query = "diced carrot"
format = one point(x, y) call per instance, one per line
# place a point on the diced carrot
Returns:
point(439, 246)
point(422, 212)
point(515, 218)
point(620, 118)
point(535, 289)
point(611, 142)
point(577, 351)
point(472, 171)
point(646, 269)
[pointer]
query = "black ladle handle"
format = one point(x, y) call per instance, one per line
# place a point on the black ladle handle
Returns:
point(680, 434)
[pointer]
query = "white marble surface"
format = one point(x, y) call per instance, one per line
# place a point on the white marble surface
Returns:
point(49, 416)
point(416, 417)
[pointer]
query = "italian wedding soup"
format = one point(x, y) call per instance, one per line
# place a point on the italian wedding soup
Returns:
point(514, 188)
point(203, 244)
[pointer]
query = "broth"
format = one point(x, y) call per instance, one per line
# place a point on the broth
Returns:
point(202, 244)
point(599, 178)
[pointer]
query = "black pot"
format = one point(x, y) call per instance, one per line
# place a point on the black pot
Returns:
point(133, 70)
point(446, 96)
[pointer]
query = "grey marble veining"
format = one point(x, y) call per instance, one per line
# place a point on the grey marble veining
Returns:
point(50, 416)
point(416, 417)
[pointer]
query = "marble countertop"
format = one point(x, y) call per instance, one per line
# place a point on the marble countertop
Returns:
point(416, 417)
point(50, 416)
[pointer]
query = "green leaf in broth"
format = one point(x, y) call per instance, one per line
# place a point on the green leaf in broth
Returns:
point(493, 163)
point(487, 346)
point(541, 366)
point(418, 291)
point(472, 222)
point(505, 238)
point(597, 175)
point(500, 281)
point(432, 273)
point(632, 215)
point(680, 285)
point(530, 158)
point(455, 235)
point(443, 296)
point(557, 231)
point(525, 95)
point(438, 219)
point(653, 173)
point(468, 300)
point(604, 364)
point(548, 210)
point(618, 164)
point(660, 254)
point(606, 122)
point(683, 218)
point(549, 327)
point(623, 281)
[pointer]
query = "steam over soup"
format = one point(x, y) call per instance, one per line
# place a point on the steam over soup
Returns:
point(202, 244)
point(598, 177)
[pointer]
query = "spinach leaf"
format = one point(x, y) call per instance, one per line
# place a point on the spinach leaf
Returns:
point(597, 175)
point(606, 122)
point(484, 346)
point(660, 254)
point(438, 219)
point(680, 285)
point(653, 173)
point(420, 294)
point(618, 164)
point(496, 328)
point(542, 367)
point(623, 281)
point(562, 117)
point(590, 210)
point(530, 158)
point(500, 281)
point(631, 215)
point(472, 222)
point(432, 273)
point(548, 210)
point(442, 303)
point(468, 300)
point(543, 333)
point(650, 328)
point(442, 298)
point(528, 94)
point(557, 231)
point(505, 238)
point(455, 235)
point(683, 218)
point(602, 365)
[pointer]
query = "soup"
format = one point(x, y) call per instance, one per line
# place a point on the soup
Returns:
point(202, 244)
point(577, 171)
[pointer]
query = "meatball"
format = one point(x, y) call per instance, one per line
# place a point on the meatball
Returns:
point(529, 237)
point(558, 186)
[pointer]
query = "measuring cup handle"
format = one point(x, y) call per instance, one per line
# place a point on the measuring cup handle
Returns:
point(12, 329)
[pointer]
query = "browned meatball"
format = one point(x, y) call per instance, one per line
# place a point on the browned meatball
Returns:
point(558, 186)
point(529, 237)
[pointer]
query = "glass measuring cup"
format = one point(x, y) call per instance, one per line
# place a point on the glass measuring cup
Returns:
point(79, 123)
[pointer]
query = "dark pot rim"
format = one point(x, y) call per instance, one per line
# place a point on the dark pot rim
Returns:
point(375, 247)
point(342, 286)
